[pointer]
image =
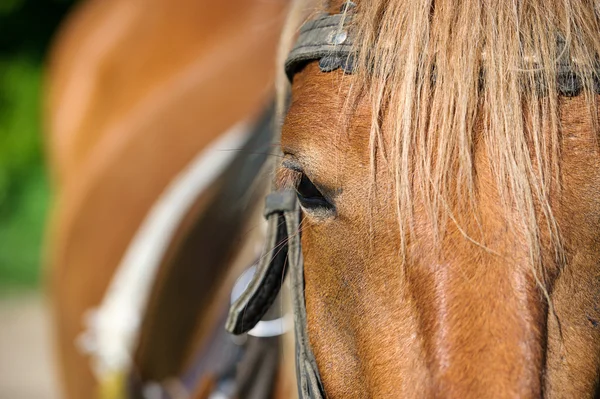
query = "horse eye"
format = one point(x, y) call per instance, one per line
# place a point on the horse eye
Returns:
point(309, 196)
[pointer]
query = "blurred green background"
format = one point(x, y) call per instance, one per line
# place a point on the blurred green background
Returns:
point(27, 28)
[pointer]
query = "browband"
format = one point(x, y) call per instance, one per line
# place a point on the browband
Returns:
point(327, 39)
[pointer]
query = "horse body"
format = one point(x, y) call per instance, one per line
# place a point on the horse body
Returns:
point(136, 91)
point(455, 302)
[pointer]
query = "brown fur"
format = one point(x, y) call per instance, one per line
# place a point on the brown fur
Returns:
point(463, 260)
point(456, 319)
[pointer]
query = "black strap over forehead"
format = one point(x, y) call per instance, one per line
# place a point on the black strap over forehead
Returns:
point(327, 39)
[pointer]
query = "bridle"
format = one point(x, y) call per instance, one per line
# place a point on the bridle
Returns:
point(329, 40)
point(326, 39)
point(283, 253)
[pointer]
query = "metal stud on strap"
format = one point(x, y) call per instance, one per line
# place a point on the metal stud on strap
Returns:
point(328, 39)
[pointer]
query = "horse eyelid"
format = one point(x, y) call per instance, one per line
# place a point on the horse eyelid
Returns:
point(294, 167)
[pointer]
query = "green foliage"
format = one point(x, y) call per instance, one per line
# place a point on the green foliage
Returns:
point(26, 28)
point(23, 187)
point(19, 122)
point(9, 6)
point(21, 231)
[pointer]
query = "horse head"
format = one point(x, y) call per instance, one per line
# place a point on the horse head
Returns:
point(448, 182)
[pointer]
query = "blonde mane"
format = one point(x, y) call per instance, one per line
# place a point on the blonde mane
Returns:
point(449, 73)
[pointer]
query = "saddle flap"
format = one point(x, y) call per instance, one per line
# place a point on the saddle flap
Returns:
point(266, 283)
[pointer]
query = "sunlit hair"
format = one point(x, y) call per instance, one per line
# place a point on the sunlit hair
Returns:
point(448, 74)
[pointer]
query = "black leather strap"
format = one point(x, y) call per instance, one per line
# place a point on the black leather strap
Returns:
point(327, 39)
point(262, 291)
point(283, 252)
point(307, 372)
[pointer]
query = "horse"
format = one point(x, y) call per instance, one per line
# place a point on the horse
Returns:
point(436, 202)
point(152, 110)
